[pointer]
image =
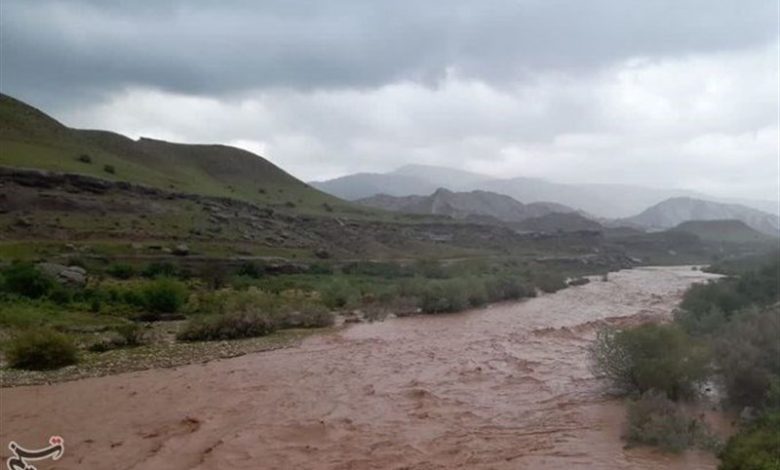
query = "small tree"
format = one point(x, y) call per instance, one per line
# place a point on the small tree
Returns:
point(651, 357)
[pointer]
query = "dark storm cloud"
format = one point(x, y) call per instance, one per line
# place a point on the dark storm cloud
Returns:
point(72, 49)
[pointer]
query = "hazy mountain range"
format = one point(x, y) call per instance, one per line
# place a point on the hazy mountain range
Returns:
point(675, 211)
point(602, 200)
point(462, 205)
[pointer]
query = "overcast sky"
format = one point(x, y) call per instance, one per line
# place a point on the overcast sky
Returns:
point(678, 93)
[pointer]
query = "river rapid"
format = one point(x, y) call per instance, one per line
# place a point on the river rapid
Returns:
point(503, 387)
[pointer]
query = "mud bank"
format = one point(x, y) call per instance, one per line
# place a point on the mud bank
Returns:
point(503, 387)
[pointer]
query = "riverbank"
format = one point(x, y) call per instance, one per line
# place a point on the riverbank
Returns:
point(507, 386)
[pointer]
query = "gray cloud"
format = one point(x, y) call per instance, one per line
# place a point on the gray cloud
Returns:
point(205, 47)
point(596, 91)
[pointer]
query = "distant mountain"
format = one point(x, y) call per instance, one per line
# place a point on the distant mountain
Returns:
point(559, 222)
point(603, 200)
point(461, 205)
point(443, 177)
point(675, 211)
point(734, 231)
point(362, 185)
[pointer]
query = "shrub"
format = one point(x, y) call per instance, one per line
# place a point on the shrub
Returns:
point(651, 357)
point(306, 316)
point(159, 269)
point(121, 271)
point(60, 294)
point(443, 296)
point(338, 294)
point(109, 169)
point(41, 349)
point(233, 325)
point(507, 288)
point(700, 324)
point(27, 280)
point(747, 351)
point(756, 447)
point(132, 334)
point(84, 158)
point(548, 281)
point(250, 269)
point(164, 295)
point(128, 335)
point(654, 420)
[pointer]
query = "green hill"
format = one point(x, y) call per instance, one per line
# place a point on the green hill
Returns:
point(31, 139)
point(728, 231)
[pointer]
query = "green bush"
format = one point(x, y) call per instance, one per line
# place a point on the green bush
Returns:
point(251, 269)
point(27, 280)
point(758, 287)
point(507, 288)
point(158, 269)
point(654, 420)
point(233, 325)
point(444, 296)
point(651, 357)
point(339, 294)
point(164, 295)
point(111, 169)
point(121, 271)
point(549, 281)
point(747, 352)
point(755, 447)
point(41, 349)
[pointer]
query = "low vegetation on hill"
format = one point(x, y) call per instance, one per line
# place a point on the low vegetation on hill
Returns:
point(724, 332)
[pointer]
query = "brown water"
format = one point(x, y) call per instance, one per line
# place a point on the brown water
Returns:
point(497, 388)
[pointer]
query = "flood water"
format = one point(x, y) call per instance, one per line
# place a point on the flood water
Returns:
point(504, 387)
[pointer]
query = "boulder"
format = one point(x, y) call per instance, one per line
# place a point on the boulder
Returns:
point(181, 249)
point(68, 275)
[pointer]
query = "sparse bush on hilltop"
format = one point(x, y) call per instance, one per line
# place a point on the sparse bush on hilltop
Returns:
point(41, 349)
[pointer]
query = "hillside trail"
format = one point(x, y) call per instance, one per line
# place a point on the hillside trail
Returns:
point(503, 387)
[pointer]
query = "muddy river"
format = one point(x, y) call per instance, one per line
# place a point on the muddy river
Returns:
point(504, 387)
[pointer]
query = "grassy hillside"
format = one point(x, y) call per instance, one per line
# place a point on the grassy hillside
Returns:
point(31, 139)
